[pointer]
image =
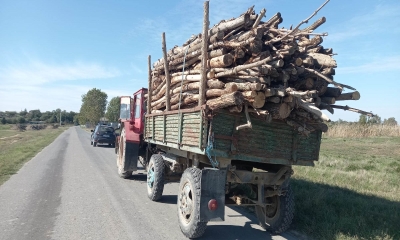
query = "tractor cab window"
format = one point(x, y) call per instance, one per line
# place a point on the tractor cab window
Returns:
point(125, 108)
point(137, 108)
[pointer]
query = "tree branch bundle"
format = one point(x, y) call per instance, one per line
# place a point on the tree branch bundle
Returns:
point(283, 73)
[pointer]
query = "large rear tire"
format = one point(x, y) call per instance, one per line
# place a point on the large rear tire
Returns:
point(155, 177)
point(189, 204)
point(277, 216)
point(121, 156)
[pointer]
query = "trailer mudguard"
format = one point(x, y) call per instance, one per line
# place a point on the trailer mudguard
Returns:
point(131, 156)
point(212, 187)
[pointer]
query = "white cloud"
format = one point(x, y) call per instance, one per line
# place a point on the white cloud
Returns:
point(43, 86)
point(381, 19)
point(379, 65)
point(37, 72)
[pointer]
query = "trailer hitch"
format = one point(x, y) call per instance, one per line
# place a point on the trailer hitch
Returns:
point(248, 124)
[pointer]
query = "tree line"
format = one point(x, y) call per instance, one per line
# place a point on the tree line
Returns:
point(94, 107)
point(365, 120)
point(25, 116)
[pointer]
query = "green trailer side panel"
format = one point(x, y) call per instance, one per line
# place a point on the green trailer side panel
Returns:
point(274, 142)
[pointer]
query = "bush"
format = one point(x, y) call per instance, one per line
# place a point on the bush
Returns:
point(21, 127)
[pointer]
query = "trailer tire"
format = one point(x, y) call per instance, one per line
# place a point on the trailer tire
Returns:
point(277, 217)
point(123, 147)
point(155, 177)
point(189, 204)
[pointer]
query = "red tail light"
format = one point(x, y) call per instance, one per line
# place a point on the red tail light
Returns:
point(212, 205)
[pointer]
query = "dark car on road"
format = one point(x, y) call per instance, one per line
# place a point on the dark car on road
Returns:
point(103, 134)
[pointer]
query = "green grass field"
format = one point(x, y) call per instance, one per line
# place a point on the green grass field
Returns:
point(352, 192)
point(19, 147)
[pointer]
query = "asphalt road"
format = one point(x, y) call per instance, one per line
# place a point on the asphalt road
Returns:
point(71, 190)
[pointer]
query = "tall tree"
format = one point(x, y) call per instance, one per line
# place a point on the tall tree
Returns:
point(390, 121)
point(362, 119)
point(113, 107)
point(93, 106)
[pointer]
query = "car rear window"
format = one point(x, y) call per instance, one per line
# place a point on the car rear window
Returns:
point(106, 129)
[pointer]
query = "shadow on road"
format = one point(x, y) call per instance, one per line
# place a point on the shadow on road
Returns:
point(141, 177)
point(235, 232)
point(169, 199)
point(104, 145)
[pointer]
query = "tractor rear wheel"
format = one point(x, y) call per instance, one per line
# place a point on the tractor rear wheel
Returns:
point(277, 216)
point(121, 156)
point(155, 177)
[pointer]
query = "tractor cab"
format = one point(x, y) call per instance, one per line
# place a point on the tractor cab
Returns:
point(132, 113)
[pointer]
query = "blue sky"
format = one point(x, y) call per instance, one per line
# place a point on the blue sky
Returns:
point(52, 52)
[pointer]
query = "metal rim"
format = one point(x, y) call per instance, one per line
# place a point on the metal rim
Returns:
point(271, 209)
point(150, 176)
point(186, 203)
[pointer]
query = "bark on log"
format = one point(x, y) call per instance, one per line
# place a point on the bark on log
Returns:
point(315, 25)
point(230, 25)
point(349, 96)
point(304, 84)
point(211, 93)
point(278, 110)
point(272, 20)
point(369, 114)
point(328, 71)
point(328, 100)
point(313, 42)
point(236, 69)
point(260, 16)
point(321, 86)
point(227, 100)
point(332, 92)
point(325, 106)
point(246, 86)
point(221, 61)
point(236, 109)
point(309, 107)
point(274, 99)
point(322, 60)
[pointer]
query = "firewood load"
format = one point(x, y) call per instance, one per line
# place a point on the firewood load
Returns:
point(279, 73)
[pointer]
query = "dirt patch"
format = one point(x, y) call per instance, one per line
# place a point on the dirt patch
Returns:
point(9, 137)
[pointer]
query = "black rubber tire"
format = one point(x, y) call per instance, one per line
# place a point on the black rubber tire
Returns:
point(190, 223)
point(121, 154)
point(283, 214)
point(156, 188)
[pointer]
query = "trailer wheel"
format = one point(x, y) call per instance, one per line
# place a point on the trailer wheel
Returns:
point(155, 177)
point(277, 216)
point(189, 204)
point(122, 148)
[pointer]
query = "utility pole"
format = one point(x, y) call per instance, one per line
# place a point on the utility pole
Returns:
point(60, 117)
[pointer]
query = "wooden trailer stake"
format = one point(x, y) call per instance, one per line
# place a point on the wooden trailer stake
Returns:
point(204, 55)
point(168, 83)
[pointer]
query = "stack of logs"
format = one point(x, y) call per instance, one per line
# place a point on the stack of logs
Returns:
point(278, 73)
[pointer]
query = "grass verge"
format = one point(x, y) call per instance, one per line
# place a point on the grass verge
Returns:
point(19, 147)
point(352, 192)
